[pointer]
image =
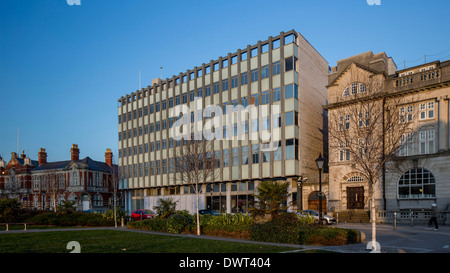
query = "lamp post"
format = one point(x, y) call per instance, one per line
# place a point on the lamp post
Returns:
point(319, 164)
point(300, 194)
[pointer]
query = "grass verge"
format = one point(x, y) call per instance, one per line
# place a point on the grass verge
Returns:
point(116, 241)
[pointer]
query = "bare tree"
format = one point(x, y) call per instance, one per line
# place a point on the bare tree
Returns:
point(367, 129)
point(114, 179)
point(195, 167)
point(53, 186)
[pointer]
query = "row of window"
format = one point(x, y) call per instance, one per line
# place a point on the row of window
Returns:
point(427, 143)
point(183, 98)
point(228, 157)
point(236, 129)
point(217, 65)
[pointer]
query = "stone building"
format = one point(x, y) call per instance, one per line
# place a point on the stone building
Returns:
point(418, 173)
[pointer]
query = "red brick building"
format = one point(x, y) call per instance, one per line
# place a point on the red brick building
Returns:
point(42, 185)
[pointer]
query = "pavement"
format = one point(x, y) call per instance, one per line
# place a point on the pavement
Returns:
point(405, 239)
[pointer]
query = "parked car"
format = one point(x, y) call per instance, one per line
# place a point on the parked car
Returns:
point(315, 214)
point(93, 211)
point(141, 214)
point(209, 211)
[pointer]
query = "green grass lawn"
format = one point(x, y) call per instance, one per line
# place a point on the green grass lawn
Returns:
point(116, 241)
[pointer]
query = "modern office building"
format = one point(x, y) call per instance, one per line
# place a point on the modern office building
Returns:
point(417, 174)
point(283, 71)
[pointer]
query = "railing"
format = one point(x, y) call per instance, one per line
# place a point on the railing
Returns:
point(411, 217)
point(8, 224)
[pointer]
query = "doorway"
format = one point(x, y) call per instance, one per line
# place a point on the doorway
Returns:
point(355, 197)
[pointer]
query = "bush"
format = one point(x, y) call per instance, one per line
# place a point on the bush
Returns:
point(72, 219)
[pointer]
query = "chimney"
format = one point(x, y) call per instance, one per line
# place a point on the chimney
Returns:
point(42, 155)
point(23, 156)
point(74, 153)
point(108, 157)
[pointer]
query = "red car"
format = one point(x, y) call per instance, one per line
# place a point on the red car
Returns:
point(142, 214)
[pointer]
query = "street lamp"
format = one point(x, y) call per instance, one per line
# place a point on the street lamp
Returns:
point(319, 163)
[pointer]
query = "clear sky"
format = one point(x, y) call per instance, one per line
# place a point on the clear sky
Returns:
point(63, 67)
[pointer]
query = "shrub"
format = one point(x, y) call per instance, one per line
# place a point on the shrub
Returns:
point(179, 222)
point(72, 219)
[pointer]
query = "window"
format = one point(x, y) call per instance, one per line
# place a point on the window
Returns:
point(363, 119)
point(243, 56)
point(344, 122)
point(276, 121)
point(427, 142)
point(289, 39)
point(354, 88)
point(226, 158)
point(290, 63)
point(277, 94)
point(254, 52)
point(277, 152)
point(291, 118)
point(344, 152)
point(255, 153)
point(216, 88)
point(225, 85)
point(264, 48)
point(276, 43)
point(406, 145)
point(208, 90)
point(217, 157)
point(255, 99)
point(291, 149)
point(427, 110)
point(235, 157)
point(276, 68)
point(224, 63)
point(234, 82)
point(265, 98)
point(207, 70)
point(199, 73)
point(234, 59)
point(254, 75)
point(264, 72)
point(200, 92)
point(291, 91)
point(416, 184)
point(244, 78)
point(245, 155)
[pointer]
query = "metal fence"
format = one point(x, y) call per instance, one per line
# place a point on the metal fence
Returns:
point(410, 217)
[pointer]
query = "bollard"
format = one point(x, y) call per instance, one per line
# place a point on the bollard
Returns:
point(337, 218)
point(122, 223)
point(7, 227)
point(395, 221)
point(412, 220)
point(25, 227)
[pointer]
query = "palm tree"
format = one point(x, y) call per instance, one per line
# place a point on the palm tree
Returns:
point(166, 207)
point(270, 198)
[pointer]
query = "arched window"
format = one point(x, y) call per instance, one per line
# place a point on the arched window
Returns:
point(355, 179)
point(416, 184)
point(354, 88)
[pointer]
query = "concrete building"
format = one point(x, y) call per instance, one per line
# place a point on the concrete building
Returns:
point(418, 173)
point(283, 71)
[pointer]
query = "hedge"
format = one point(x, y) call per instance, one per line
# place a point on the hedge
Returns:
point(285, 229)
point(72, 219)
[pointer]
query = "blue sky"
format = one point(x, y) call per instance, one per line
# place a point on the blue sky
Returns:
point(62, 67)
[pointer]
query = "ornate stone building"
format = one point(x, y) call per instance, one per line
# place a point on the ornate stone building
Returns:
point(418, 173)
